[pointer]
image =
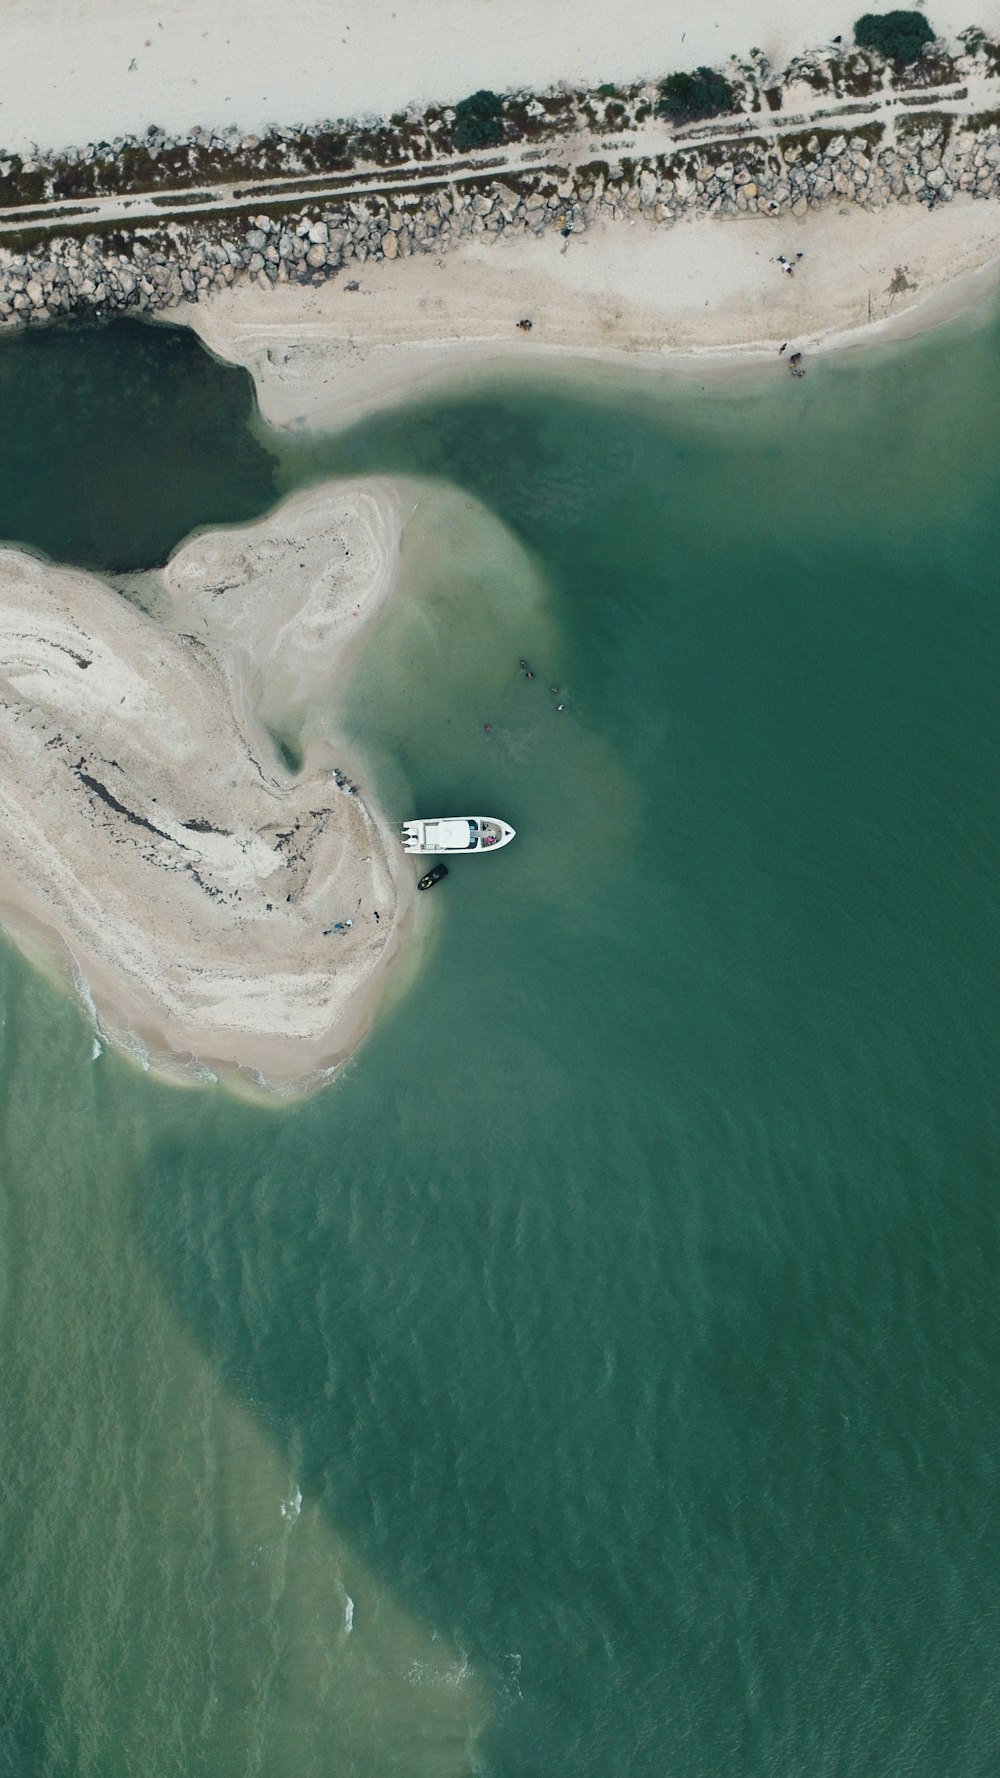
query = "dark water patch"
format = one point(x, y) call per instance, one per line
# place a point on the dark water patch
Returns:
point(289, 751)
point(117, 441)
point(779, 453)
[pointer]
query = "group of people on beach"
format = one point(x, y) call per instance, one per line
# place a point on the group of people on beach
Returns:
point(345, 925)
point(795, 364)
point(342, 782)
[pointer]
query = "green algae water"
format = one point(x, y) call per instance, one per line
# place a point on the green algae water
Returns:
point(602, 1377)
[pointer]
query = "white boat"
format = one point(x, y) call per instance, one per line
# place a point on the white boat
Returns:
point(456, 833)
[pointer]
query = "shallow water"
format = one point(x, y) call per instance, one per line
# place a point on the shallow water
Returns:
point(624, 1317)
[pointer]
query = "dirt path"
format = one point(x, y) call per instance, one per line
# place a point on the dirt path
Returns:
point(559, 158)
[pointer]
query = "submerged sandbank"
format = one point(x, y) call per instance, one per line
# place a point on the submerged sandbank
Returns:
point(148, 827)
point(707, 294)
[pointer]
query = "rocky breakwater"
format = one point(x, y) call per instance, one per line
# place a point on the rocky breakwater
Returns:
point(927, 164)
point(928, 160)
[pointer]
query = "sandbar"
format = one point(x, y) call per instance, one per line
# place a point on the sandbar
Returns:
point(149, 827)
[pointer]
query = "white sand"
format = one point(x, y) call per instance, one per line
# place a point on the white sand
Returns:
point(705, 292)
point(77, 71)
point(145, 820)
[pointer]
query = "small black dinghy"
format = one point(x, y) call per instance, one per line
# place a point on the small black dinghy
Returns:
point(433, 876)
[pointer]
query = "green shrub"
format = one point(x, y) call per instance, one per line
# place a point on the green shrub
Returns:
point(686, 97)
point(478, 121)
point(898, 36)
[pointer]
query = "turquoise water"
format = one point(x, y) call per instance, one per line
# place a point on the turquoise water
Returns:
point(625, 1316)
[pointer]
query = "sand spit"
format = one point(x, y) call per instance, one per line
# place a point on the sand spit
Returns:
point(702, 298)
point(147, 824)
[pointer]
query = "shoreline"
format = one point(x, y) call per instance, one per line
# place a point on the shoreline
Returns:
point(705, 299)
point(192, 893)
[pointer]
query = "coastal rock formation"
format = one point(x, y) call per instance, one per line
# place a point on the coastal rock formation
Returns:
point(189, 263)
point(601, 159)
point(147, 820)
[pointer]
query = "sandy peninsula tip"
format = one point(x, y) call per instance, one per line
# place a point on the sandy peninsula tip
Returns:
point(217, 905)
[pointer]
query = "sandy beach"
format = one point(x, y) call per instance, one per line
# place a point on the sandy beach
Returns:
point(703, 295)
point(196, 885)
point(127, 64)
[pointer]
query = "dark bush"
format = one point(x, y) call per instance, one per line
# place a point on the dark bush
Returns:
point(898, 36)
point(478, 121)
point(686, 97)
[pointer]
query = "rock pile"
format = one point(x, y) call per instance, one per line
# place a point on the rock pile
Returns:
point(147, 268)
